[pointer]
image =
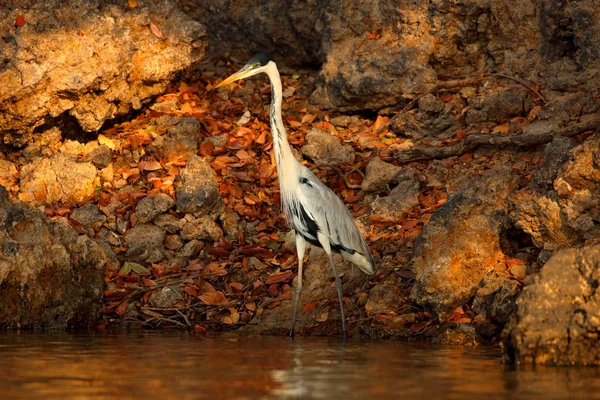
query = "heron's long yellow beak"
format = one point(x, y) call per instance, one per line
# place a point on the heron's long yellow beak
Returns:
point(241, 74)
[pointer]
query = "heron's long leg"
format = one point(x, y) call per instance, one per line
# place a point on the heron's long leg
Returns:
point(338, 287)
point(300, 247)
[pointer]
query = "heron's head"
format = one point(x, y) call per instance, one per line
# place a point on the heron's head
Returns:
point(256, 65)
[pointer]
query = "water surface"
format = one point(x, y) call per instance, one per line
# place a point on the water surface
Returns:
point(180, 365)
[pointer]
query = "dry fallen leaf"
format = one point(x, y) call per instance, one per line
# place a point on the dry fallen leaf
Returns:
point(323, 317)
point(156, 31)
point(288, 91)
point(214, 298)
point(279, 277)
point(244, 119)
point(152, 165)
point(502, 128)
point(309, 307)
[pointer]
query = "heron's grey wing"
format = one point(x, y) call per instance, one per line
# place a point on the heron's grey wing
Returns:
point(334, 220)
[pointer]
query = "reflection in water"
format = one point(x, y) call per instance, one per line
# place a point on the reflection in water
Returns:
point(178, 365)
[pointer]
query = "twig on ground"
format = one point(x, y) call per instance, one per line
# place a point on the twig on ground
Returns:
point(455, 84)
point(143, 290)
point(480, 139)
point(345, 176)
point(441, 85)
point(524, 83)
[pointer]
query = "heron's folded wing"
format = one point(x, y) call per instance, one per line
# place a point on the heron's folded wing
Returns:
point(331, 216)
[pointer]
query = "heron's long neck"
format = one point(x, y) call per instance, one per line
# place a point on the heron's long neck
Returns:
point(280, 140)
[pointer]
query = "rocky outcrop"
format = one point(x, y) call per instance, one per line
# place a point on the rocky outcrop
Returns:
point(557, 318)
point(88, 61)
point(287, 29)
point(50, 277)
point(58, 179)
point(8, 173)
point(563, 215)
point(379, 54)
point(459, 254)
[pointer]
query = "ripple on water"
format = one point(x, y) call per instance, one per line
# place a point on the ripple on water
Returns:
point(186, 365)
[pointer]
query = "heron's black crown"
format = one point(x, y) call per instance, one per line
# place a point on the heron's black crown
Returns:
point(260, 60)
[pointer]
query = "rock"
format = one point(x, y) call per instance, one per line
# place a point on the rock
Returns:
point(378, 175)
point(88, 215)
point(217, 141)
point(182, 137)
point(325, 149)
point(459, 248)
point(460, 335)
point(247, 29)
point(494, 303)
point(556, 153)
point(49, 141)
point(151, 206)
point(167, 222)
point(345, 121)
point(563, 215)
point(254, 264)
point(203, 228)
point(107, 174)
point(173, 242)
point(145, 243)
point(431, 104)
point(558, 314)
point(100, 157)
point(166, 297)
point(433, 120)
point(498, 104)
point(231, 224)
point(359, 73)
point(71, 148)
point(191, 249)
point(58, 179)
point(50, 277)
point(64, 66)
point(199, 190)
point(8, 173)
point(399, 202)
point(376, 55)
point(383, 299)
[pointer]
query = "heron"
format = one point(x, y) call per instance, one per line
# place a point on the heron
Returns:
point(314, 212)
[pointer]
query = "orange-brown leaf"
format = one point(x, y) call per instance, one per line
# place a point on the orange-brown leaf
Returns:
point(206, 148)
point(503, 128)
point(279, 277)
point(156, 31)
point(309, 307)
point(236, 286)
point(151, 165)
point(214, 298)
point(192, 291)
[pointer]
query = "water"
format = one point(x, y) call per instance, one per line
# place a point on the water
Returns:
point(176, 365)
